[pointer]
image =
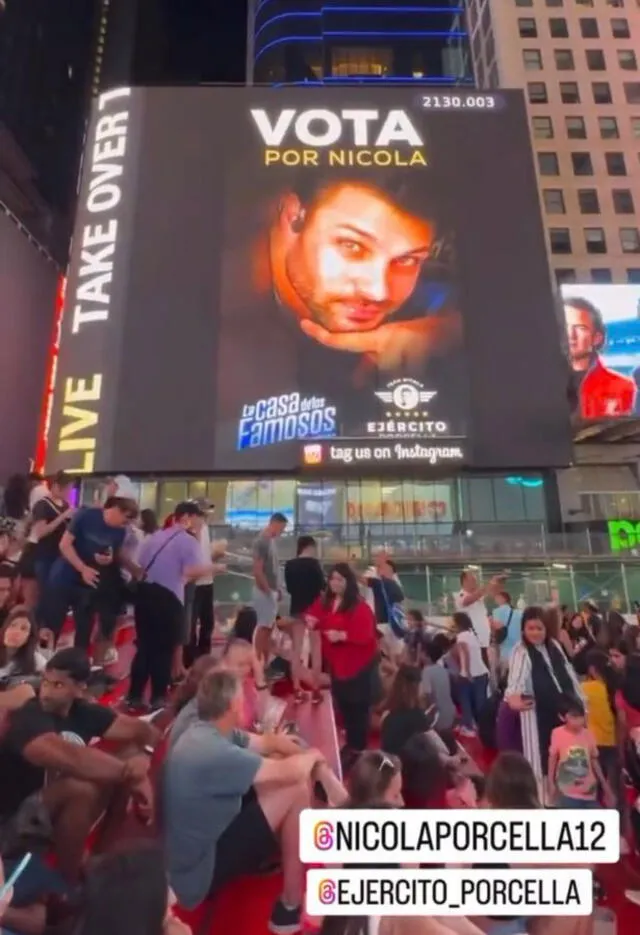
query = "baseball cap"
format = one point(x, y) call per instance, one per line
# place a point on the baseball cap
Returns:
point(188, 508)
point(125, 487)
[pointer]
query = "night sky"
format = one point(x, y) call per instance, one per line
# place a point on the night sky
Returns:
point(210, 38)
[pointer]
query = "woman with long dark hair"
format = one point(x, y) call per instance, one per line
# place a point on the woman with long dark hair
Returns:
point(348, 630)
point(577, 639)
point(134, 880)
point(19, 654)
point(405, 713)
point(539, 676)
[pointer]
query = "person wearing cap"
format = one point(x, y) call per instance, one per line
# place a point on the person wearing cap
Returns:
point(169, 559)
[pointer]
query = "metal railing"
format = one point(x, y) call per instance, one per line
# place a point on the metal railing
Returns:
point(406, 542)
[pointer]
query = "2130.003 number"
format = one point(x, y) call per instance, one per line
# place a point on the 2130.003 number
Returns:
point(459, 101)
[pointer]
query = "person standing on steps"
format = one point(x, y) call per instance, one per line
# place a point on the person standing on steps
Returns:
point(266, 586)
point(304, 581)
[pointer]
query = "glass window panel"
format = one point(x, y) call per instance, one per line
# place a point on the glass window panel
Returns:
point(171, 493)
point(509, 501)
point(283, 500)
point(242, 504)
point(371, 510)
point(481, 500)
point(197, 489)
point(534, 504)
point(148, 495)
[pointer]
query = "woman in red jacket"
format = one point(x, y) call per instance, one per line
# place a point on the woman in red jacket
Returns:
point(349, 646)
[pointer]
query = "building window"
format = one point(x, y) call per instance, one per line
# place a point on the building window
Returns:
point(548, 164)
point(565, 275)
point(595, 60)
point(576, 128)
point(620, 28)
point(602, 276)
point(630, 239)
point(527, 28)
point(542, 128)
point(608, 128)
point(560, 240)
point(558, 28)
point(555, 3)
point(595, 240)
point(553, 199)
point(633, 275)
point(627, 60)
point(635, 127)
point(622, 201)
point(588, 201)
point(564, 59)
point(615, 163)
point(355, 61)
point(589, 28)
point(601, 92)
point(532, 59)
point(524, 2)
point(569, 92)
point(632, 92)
point(537, 92)
point(581, 164)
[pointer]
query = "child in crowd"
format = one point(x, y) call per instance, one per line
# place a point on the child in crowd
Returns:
point(602, 717)
point(474, 675)
point(574, 768)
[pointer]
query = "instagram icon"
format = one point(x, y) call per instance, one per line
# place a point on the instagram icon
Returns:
point(327, 892)
point(323, 836)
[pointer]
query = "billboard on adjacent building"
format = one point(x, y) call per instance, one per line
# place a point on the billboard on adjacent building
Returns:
point(270, 280)
point(603, 339)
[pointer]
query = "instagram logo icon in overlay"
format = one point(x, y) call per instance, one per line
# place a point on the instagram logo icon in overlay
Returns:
point(327, 892)
point(323, 835)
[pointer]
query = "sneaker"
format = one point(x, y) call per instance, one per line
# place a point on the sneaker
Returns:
point(285, 921)
point(111, 656)
point(467, 732)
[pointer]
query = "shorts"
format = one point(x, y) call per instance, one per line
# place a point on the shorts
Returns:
point(245, 846)
point(265, 606)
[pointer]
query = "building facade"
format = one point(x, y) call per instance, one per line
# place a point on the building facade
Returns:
point(327, 41)
point(45, 65)
point(577, 61)
point(163, 42)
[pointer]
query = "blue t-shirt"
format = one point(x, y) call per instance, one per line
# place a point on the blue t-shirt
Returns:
point(501, 614)
point(91, 536)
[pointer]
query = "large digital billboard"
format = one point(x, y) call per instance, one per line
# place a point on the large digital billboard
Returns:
point(603, 340)
point(269, 280)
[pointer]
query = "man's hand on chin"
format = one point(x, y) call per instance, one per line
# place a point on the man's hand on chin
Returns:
point(396, 345)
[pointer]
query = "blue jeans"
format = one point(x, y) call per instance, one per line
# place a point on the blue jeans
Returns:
point(473, 695)
point(565, 801)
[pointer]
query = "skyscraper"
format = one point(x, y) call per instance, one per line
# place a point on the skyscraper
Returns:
point(577, 62)
point(329, 41)
point(45, 58)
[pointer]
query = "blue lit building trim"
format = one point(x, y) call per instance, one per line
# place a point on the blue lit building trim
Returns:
point(447, 80)
point(301, 38)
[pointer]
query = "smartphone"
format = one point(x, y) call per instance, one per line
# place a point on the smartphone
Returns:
point(16, 873)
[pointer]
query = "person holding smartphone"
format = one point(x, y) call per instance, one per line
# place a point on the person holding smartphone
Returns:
point(540, 681)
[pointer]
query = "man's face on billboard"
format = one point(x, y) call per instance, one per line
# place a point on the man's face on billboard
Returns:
point(356, 258)
point(583, 338)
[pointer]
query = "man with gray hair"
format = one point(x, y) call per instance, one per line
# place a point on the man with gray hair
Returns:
point(227, 809)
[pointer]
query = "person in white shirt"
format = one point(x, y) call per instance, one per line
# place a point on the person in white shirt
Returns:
point(474, 673)
point(201, 609)
point(471, 600)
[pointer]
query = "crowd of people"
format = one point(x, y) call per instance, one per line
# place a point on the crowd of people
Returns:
point(215, 779)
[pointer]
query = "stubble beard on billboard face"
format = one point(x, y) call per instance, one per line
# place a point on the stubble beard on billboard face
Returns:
point(330, 312)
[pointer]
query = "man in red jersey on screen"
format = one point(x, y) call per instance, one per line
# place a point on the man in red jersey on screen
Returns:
point(602, 393)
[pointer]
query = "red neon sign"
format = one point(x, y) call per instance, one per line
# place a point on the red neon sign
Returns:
point(49, 387)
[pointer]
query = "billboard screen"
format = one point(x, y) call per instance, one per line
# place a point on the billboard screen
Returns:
point(268, 280)
point(603, 338)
